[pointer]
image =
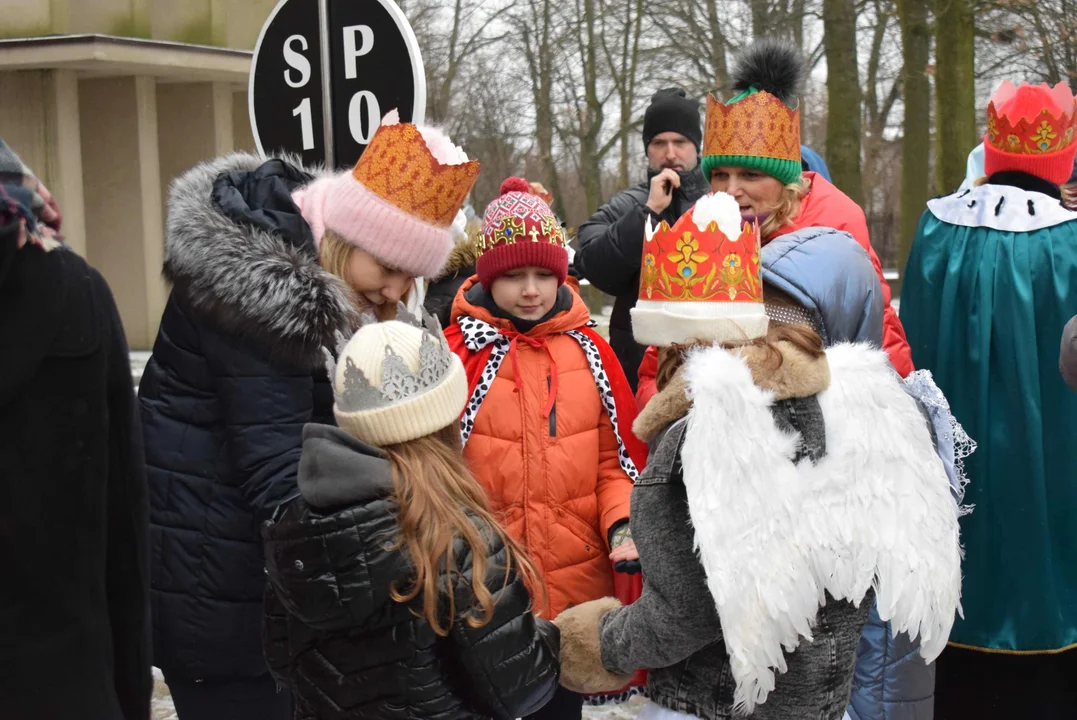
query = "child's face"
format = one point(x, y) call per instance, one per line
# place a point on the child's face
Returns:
point(381, 286)
point(528, 293)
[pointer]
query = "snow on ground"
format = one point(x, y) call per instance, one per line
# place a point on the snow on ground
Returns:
point(163, 709)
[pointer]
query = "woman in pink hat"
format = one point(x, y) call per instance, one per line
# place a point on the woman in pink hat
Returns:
point(267, 261)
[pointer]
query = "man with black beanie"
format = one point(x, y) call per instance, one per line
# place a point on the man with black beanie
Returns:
point(611, 242)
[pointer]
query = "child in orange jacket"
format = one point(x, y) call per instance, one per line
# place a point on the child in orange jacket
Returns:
point(547, 429)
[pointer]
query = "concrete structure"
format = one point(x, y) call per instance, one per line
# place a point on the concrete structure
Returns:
point(108, 122)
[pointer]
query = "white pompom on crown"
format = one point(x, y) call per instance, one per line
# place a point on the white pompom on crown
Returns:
point(717, 207)
point(439, 144)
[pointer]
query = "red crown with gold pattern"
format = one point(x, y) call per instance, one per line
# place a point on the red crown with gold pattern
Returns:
point(701, 280)
point(1032, 129)
point(399, 167)
point(760, 125)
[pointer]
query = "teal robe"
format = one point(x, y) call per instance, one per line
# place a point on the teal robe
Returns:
point(990, 284)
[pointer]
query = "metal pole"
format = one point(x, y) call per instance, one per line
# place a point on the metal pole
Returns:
point(327, 84)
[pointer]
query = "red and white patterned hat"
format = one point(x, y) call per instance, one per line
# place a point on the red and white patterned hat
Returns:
point(519, 230)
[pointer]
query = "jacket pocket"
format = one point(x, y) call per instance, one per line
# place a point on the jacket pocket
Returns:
point(580, 528)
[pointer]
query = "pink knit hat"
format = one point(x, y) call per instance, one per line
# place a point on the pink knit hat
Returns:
point(399, 201)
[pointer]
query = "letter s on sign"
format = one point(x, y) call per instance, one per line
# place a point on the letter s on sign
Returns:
point(296, 61)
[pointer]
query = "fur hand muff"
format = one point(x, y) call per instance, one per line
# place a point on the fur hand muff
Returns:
point(581, 652)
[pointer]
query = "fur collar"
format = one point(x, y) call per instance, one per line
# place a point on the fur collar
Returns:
point(798, 376)
point(464, 255)
point(246, 281)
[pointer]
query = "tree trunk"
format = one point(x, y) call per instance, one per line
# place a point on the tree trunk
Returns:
point(591, 126)
point(843, 97)
point(955, 91)
point(916, 144)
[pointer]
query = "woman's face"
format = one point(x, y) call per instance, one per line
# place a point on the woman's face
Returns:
point(756, 192)
point(379, 285)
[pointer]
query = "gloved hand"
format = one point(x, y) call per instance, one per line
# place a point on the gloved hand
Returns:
point(625, 557)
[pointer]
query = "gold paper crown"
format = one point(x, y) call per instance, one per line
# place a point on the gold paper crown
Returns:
point(398, 166)
point(760, 125)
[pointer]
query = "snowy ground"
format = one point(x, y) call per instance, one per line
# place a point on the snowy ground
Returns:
point(163, 709)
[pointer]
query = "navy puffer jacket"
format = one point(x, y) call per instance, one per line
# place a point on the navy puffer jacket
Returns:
point(235, 375)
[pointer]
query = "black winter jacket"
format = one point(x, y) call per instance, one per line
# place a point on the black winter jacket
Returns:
point(611, 249)
point(74, 536)
point(347, 649)
point(235, 375)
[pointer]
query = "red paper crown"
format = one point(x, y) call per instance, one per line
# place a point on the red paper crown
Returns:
point(686, 263)
point(1031, 119)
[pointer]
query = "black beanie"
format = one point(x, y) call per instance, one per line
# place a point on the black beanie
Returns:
point(672, 111)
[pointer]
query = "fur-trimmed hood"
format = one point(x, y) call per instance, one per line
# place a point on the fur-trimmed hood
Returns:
point(798, 375)
point(253, 279)
point(464, 255)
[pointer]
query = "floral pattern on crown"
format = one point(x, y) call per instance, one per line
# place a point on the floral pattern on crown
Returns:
point(398, 166)
point(1011, 128)
point(717, 262)
point(760, 125)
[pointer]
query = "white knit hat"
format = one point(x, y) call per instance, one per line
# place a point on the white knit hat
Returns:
point(397, 381)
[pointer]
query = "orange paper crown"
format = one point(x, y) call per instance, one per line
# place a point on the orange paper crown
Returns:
point(701, 279)
point(759, 125)
point(398, 166)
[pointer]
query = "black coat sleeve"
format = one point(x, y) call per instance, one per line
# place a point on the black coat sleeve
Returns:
point(611, 243)
point(264, 405)
point(275, 637)
point(510, 664)
point(128, 569)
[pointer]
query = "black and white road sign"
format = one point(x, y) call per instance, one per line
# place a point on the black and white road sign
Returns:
point(349, 60)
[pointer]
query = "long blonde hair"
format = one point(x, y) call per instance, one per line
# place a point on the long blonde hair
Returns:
point(440, 501)
point(788, 206)
point(333, 255)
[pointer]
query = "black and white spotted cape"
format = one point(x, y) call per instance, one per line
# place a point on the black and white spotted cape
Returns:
point(479, 335)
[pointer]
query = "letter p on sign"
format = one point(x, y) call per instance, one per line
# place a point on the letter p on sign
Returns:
point(352, 50)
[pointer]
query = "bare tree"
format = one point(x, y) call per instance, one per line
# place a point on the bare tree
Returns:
point(916, 143)
point(623, 61)
point(535, 36)
point(843, 97)
point(955, 91)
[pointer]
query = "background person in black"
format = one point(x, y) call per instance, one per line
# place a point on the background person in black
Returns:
point(611, 242)
point(74, 532)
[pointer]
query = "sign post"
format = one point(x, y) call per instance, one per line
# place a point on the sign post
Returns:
point(325, 72)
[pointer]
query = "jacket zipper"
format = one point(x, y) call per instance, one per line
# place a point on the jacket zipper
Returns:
point(553, 411)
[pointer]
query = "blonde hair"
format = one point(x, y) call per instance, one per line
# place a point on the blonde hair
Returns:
point(441, 502)
point(333, 255)
point(788, 206)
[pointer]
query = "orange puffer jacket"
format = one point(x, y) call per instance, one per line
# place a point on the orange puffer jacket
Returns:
point(553, 471)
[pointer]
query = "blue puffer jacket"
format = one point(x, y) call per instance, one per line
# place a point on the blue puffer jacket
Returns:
point(234, 377)
point(891, 682)
point(847, 304)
